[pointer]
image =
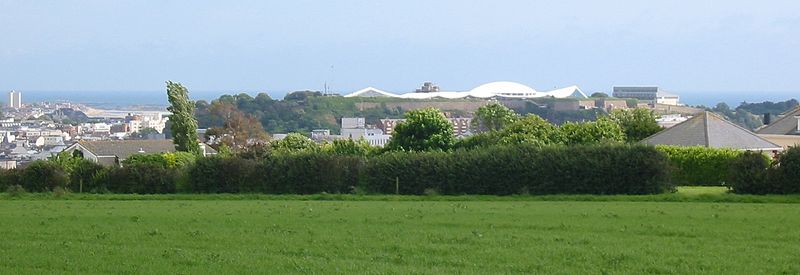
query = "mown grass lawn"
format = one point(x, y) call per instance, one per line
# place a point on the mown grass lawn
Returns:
point(397, 237)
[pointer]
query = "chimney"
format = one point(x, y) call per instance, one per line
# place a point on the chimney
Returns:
point(767, 118)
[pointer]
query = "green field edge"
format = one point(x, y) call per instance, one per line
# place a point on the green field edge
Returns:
point(684, 194)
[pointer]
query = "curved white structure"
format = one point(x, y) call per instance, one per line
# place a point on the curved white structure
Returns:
point(504, 89)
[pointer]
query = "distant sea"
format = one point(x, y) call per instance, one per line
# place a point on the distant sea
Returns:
point(123, 99)
point(158, 99)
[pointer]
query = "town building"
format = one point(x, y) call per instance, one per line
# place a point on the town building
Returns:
point(647, 94)
point(15, 100)
point(462, 126)
point(356, 128)
point(785, 130)
point(113, 152)
point(708, 129)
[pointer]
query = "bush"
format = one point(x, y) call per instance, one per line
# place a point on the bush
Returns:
point(9, 178)
point(699, 165)
point(43, 176)
point(82, 178)
point(785, 175)
point(15, 190)
point(748, 174)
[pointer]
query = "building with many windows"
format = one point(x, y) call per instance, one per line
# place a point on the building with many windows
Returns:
point(647, 94)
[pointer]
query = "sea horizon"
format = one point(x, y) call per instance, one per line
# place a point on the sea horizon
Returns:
point(121, 99)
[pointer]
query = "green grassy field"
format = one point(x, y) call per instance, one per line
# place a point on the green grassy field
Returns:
point(453, 237)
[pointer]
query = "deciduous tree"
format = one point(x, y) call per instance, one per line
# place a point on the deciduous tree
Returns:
point(492, 117)
point(424, 130)
point(637, 124)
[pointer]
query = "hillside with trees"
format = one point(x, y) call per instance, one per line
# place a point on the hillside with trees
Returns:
point(304, 111)
point(750, 115)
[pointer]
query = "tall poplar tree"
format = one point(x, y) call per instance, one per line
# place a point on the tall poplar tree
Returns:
point(184, 125)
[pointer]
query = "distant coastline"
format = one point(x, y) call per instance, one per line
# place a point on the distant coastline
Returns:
point(157, 100)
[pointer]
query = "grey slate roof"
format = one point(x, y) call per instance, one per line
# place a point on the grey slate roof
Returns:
point(786, 125)
point(125, 148)
point(710, 130)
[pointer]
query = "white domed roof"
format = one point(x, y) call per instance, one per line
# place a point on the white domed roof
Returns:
point(504, 88)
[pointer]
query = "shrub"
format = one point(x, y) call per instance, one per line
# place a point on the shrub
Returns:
point(748, 174)
point(785, 175)
point(699, 165)
point(15, 190)
point(9, 178)
point(42, 176)
point(82, 178)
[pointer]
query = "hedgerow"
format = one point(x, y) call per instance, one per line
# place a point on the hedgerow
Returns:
point(494, 170)
point(699, 165)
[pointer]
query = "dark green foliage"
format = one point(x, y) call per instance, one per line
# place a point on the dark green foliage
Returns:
point(558, 117)
point(154, 159)
point(42, 176)
point(82, 177)
point(225, 175)
point(139, 178)
point(309, 173)
point(785, 175)
point(423, 130)
point(304, 111)
point(774, 108)
point(747, 174)
point(699, 165)
point(9, 178)
point(599, 95)
point(298, 173)
point(183, 123)
point(522, 169)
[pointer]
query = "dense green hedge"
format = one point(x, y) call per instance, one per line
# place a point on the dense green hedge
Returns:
point(619, 169)
point(504, 170)
point(300, 173)
point(699, 165)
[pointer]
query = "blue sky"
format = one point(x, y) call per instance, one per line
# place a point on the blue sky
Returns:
point(396, 45)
